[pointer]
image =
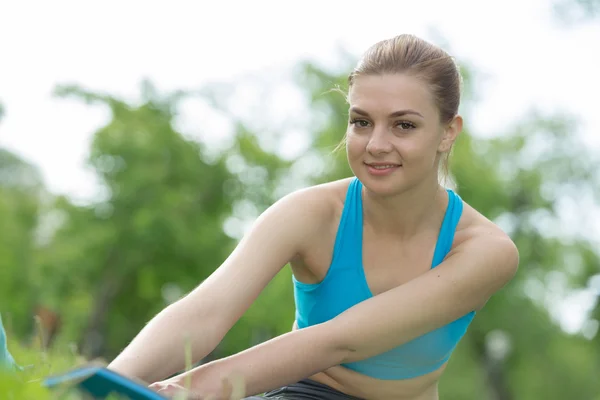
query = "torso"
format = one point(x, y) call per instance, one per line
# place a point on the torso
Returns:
point(381, 260)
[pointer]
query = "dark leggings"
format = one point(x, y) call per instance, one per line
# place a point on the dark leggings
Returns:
point(305, 390)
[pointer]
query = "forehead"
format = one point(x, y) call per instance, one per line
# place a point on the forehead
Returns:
point(389, 93)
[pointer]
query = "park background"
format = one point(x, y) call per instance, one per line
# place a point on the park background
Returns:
point(140, 140)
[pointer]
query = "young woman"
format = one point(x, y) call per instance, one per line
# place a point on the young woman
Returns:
point(389, 266)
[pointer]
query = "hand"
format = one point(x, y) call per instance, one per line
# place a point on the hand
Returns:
point(174, 388)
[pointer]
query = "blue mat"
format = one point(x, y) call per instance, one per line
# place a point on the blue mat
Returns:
point(100, 382)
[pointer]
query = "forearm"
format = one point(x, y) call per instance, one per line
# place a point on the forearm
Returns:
point(277, 362)
point(158, 351)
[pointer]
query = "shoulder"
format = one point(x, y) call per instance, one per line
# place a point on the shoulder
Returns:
point(482, 256)
point(482, 240)
point(321, 198)
point(287, 228)
point(313, 206)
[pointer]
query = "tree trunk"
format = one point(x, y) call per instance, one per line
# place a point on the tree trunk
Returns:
point(93, 341)
point(494, 370)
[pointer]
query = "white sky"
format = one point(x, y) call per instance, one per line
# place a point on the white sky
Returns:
point(528, 59)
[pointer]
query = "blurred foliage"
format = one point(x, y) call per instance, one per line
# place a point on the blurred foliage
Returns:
point(20, 196)
point(171, 212)
point(155, 234)
point(41, 363)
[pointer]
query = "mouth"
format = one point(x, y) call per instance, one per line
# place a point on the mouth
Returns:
point(382, 166)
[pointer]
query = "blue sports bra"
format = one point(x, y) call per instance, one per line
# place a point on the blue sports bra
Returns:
point(345, 285)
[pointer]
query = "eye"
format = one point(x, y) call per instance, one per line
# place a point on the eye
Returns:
point(359, 123)
point(405, 125)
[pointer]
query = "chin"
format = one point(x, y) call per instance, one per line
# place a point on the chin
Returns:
point(384, 186)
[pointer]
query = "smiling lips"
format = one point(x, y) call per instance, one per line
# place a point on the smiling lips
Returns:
point(381, 168)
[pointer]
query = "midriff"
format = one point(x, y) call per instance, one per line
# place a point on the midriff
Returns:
point(345, 380)
point(350, 382)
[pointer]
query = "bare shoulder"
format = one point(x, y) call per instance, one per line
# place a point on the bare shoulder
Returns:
point(479, 237)
point(314, 206)
point(318, 199)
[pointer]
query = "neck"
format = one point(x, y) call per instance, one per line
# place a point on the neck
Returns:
point(404, 214)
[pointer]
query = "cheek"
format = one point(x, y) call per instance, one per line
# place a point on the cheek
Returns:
point(414, 147)
point(419, 151)
point(354, 144)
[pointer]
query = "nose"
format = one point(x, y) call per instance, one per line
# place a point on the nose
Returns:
point(379, 142)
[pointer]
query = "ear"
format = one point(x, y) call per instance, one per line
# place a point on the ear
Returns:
point(451, 132)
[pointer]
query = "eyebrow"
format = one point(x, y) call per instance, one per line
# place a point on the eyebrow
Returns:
point(392, 115)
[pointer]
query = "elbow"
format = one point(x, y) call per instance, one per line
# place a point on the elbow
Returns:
point(512, 260)
point(509, 267)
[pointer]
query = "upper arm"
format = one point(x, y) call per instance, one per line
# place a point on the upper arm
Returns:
point(274, 239)
point(468, 277)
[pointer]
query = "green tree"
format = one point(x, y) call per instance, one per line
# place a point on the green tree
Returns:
point(156, 233)
point(21, 191)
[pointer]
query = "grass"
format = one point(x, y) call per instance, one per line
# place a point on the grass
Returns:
point(40, 363)
point(27, 384)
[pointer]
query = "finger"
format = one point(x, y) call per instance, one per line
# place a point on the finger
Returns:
point(156, 386)
point(168, 391)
